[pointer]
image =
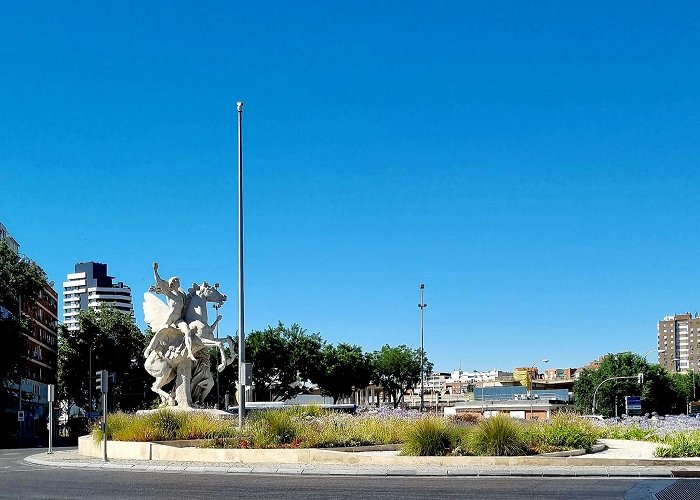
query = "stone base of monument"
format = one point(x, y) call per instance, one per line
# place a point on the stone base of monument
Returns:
point(211, 412)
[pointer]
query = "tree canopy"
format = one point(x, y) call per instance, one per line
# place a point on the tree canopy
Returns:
point(397, 370)
point(117, 345)
point(343, 368)
point(657, 389)
point(283, 359)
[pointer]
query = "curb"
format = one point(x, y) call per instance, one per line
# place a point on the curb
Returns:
point(290, 469)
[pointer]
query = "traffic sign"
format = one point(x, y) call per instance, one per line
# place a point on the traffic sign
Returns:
point(694, 408)
point(634, 405)
point(20, 416)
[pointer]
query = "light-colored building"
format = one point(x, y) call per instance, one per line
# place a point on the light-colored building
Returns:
point(90, 287)
point(678, 337)
point(7, 238)
point(533, 409)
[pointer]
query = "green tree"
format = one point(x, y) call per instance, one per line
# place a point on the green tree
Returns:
point(343, 368)
point(683, 386)
point(657, 391)
point(283, 359)
point(397, 370)
point(115, 344)
point(21, 280)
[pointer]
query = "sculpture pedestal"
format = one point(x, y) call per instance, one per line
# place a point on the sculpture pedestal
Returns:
point(183, 396)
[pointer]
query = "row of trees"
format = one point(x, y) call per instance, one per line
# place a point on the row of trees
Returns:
point(285, 360)
point(661, 391)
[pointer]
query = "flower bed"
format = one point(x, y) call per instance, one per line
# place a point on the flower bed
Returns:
point(678, 435)
point(311, 427)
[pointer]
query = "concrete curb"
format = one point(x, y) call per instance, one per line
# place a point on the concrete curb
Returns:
point(183, 457)
point(185, 452)
point(291, 469)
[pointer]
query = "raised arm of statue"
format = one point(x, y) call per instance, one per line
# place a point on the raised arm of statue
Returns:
point(161, 284)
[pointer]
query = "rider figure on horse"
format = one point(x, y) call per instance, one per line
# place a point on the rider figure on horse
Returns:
point(177, 301)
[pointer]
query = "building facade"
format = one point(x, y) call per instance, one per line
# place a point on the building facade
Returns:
point(678, 336)
point(90, 287)
point(42, 353)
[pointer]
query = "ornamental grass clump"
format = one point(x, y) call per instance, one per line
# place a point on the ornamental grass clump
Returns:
point(498, 436)
point(429, 436)
point(272, 428)
point(203, 426)
point(680, 445)
point(564, 431)
point(163, 425)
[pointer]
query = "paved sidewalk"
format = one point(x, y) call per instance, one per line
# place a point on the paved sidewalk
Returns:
point(617, 449)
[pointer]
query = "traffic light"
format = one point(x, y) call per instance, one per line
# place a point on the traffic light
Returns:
point(102, 377)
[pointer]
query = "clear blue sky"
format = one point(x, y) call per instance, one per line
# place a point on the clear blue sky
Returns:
point(535, 164)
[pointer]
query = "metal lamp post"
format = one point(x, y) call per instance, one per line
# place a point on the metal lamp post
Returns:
point(90, 384)
point(216, 306)
point(534, 365)
point(422, 306)
point(241, 309)
point(657, 351)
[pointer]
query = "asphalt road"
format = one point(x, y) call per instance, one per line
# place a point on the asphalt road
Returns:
point(19, 479)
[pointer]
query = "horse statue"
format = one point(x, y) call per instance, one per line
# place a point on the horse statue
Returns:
point(168, 357)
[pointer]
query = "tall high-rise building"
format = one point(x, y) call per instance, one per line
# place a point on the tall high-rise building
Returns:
point(90, 287)
point(678, 337)
point(42, 352)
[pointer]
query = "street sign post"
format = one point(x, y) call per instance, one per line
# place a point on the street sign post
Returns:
point(50, 397)
point(103, 386)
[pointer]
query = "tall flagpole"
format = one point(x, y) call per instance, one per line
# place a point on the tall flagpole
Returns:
point(241, 316)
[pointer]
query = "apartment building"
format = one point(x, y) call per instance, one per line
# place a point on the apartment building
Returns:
point(90, 287)
point(42, 352)
point(678, 336)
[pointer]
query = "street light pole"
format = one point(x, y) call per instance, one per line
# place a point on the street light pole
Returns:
point(216, 306)
point(422, 306)
point(534, 365)
point(90, 383)
point(241, 310)
point(657, 351)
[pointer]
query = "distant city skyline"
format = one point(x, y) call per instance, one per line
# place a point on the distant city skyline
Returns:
point(532, 164)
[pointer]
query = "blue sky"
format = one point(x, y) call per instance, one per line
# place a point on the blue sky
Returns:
point(534, 164)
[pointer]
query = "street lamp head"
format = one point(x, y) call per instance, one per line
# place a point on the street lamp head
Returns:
point(545, 360)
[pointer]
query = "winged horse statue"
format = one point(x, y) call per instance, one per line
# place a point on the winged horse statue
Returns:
point(182, 339)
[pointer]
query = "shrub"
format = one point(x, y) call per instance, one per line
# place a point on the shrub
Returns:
point(679, 445)
point(499, 436)
point(270, 428)
point(568, 431)
point(430, 436)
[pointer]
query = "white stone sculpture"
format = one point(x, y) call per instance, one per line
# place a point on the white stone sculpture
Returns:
point(181, 341)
